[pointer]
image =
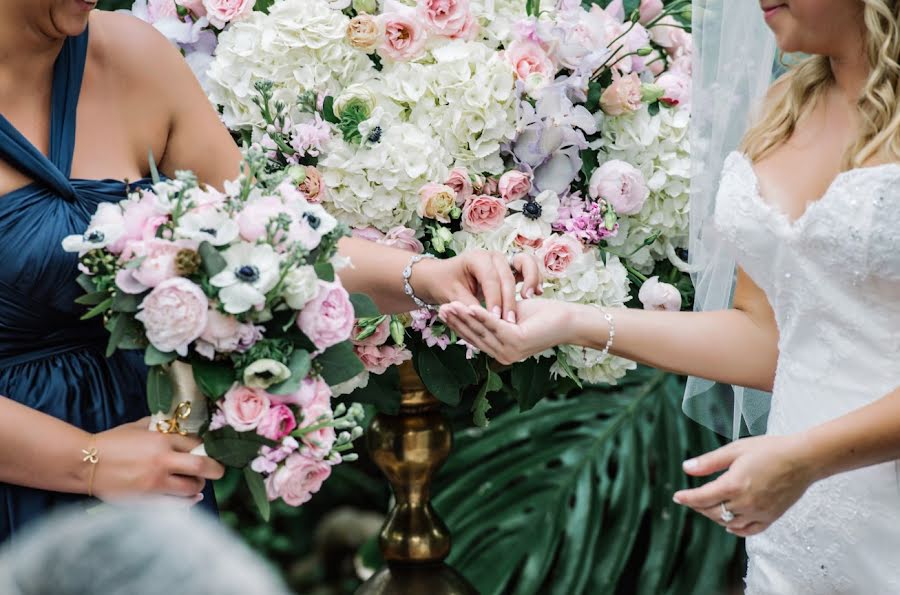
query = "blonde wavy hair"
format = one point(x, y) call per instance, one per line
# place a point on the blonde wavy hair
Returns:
point(878, 106)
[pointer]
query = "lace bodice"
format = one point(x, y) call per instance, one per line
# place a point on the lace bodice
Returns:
point(832, 278)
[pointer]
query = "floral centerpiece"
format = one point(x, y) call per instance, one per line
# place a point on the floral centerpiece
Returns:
point(233, 298)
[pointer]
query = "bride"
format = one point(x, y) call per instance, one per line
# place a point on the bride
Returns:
point(810, 209)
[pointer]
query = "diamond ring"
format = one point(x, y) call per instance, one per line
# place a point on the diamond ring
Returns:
point(727, 515)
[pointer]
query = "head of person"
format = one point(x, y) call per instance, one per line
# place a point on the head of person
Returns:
point(865, 33)
point(55, 19)
point(142, 548)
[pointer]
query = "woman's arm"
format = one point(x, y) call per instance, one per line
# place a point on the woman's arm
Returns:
point(737, 346)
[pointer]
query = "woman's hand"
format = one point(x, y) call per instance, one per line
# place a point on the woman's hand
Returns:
point(479, 275)
point(134, 460)
point(542, 324)
point(765, 476)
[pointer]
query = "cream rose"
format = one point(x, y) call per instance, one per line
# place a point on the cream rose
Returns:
point(364, 33)
point(436, 201)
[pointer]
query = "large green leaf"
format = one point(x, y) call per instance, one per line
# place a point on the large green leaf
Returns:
point(575, 497)
point(339, 363)
point(445, 373)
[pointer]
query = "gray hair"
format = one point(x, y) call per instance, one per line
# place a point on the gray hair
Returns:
point(145, 548)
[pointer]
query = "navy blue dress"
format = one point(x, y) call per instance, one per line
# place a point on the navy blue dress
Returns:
point(49, 359)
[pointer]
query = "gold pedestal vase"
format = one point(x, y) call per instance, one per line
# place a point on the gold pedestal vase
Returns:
point(409, 448)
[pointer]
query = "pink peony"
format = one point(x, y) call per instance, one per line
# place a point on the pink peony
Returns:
point(650, 9)
point(677, 87)
point(367, 233)
point(514, 185)
point(244, 407)
point(461, 183)
point(404, 36)
point(328, 318)
point(670, 34)
point(449, 18)
point(378, 359)
point(379, 337)
point(278, 423)
point(222, 12)
point(557, 253)
point(623, 96)
point(403, 238)
point(256, 214)
point(621, 184)
point(158, 263)
point(313, 187)
point(659, 296)
point(483, 213)
point(225, 334)
point(174, 314)
point(529, 58)
point(299, 478)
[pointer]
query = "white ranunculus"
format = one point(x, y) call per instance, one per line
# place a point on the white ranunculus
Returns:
point(250, 272)
point(263, 373)
point(208, 225)
point(300, 285)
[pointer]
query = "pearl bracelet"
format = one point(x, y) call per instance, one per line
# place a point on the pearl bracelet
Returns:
point(612, 332)
point(407, 288)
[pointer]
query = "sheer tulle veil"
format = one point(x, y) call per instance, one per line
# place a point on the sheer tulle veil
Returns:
point(732, 68)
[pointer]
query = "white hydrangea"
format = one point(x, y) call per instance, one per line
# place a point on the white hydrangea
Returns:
point(378, 184)
point(498, 240)
point(465, 97)
point(659, 147)
point(300, 46)
point(592, 367)
point(498, 17)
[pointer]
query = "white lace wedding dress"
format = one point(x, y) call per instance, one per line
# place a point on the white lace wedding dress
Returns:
point(833, 280)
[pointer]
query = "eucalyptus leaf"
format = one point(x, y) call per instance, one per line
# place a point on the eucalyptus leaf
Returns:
point(116, 327)
point(98, 309)
point(125, 302)
point(339, 363)
point(363, 306)
point(212, 378)
point(155, 357)
point(86, 282)
point(93, 298)
point(213, 262)
point(325, 271)
point(159, 390)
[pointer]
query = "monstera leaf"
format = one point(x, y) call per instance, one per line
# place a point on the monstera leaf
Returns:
point(575, 496)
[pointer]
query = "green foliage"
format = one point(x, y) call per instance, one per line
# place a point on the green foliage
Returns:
point(159, 390)
point(574, 496)
point(445, 373)
point(363, 306)
point(382, 391)
point(299, 365)
point(233, 448)
point(339, 363)
point(213, 379)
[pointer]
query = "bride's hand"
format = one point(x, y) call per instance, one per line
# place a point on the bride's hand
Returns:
point(765, 476)
point(542, 324)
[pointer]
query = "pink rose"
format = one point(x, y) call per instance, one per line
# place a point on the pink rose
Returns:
point(650, 9)
point(255, 216)
point(404, 36)
point(659, 296)
point(377, 338)
point(621, 184)
point(378, 359)
point(367, 233)
point(277, 423)
point(490, 186)
point(195, 6)
point(436, 201)
point(226, 334)
point(313, 187)
point(222, 12)
point(403, 238)
point(244, 407)
point(328, 318)
point(461, 183)
point(449, 18)
point(483, 213)
point(677, 87)
point(299, 478)
point(623, 96)
point(174, 314)
point(557, 253)
point(527, 58)
point(514, 185)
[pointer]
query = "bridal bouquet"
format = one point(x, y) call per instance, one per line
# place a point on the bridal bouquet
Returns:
point(233, 298)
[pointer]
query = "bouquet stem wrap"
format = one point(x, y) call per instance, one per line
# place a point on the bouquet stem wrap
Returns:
point(188, 412)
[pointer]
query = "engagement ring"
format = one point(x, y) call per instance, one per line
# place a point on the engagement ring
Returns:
point(727, 515)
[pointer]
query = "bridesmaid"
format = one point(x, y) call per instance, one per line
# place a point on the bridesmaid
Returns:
point(84, 96)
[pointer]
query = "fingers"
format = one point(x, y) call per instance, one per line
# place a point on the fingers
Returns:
point(183, 443)
point(530, 272)
point(507, 287)
point(707, 496)
point(749, 530)
point(195, 466)
point(711, 462)
point(483, 269)
point(471, 331)
point(187, 487)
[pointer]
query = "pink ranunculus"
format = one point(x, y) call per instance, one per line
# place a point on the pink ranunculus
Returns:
point(403, 238)
point(328, 318)
point(367, 233)
point(448, 18)
point(222, 12)
point(255, 216)
point(278, 423)
point(514, 185)
point(527, 58)
point(621, 184)
point(244, 407)
point(296, 481)
point(557, 253)
point(650, 9)
point(174, 315)
point(623, 96)
point(460, 181)
point(226, 334)
point(677, 87)
point(379, 337)
point(313, 187)
point(404, 36)
point(378, 359)
point(483, 213)
point(659, 296)
point(195, 6)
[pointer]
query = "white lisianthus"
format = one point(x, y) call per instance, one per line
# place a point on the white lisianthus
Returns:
point(361, 380)
point(357, 93)
point(264, 373)
point(208, 225)
point(300, 286)
point(534, 217)
point(250, 272)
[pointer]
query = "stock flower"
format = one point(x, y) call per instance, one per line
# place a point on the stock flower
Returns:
point(250, 272)
point(534, 217)
point(174, 315)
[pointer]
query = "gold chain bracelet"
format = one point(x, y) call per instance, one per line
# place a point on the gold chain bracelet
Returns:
point(92, 456)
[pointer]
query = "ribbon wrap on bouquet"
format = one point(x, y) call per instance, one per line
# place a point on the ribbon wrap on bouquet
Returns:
point(188, 412)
